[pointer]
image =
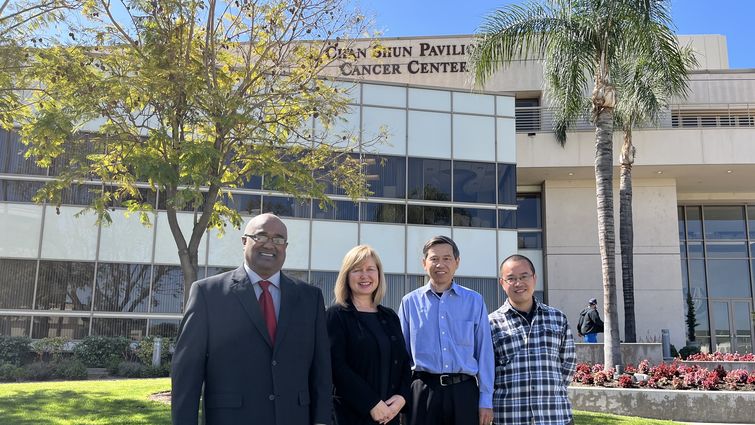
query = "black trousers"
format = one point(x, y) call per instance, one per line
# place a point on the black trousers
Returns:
point(435, 404)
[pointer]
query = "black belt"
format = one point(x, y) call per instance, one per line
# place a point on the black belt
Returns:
point(444, 379)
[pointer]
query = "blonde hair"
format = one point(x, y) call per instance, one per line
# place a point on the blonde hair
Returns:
point(353, 258)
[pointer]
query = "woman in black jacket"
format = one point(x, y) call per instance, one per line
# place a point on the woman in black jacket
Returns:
point(371, 370)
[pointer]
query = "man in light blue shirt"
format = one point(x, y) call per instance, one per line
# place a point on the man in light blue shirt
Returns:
point(447, 334)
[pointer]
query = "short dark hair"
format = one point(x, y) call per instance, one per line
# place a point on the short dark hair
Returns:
point(518, 257)
point(440, 240)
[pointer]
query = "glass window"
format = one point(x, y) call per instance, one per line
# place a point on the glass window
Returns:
point(474, 182)
point(245, 204)
point(429, 134)
point(17, 283)
point(122, 287)
point(212, 271)
point(429, 179)
point(252, 182)
point(683, 250)
point(751, 221)
point(18, 191)
point(527, 115)
point(326, 281)
point(167, 290)
point(694, 223)
point(702, 332)
point(286, 206)
point(729, 278)
point(485, 286)
point(685, 279)
point(302, 275)
point(65, 285)
point(66, 327)
point(438, 100)
point(82, 194)
point(528, 212)
point(134, 329)
point(437, 216)
point(695, 250)
point(386, 176)
point(697, 278)
point(726, 249)
point(165, 328)
point(529, 240)
point(374, 94)
point(340, 210)
point(390, 123)
point(12, 159)
point(507, 219)
point(383, 213)
point(680, 222)
point(507, 184)
point(724, 222)
point(75, 156)
point(395, 290)
point(474, 217)
point(14, 325)
point(474, 103)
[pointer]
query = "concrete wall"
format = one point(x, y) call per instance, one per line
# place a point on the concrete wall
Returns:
point(573, 262)
point(630, 353)
point(733, 407)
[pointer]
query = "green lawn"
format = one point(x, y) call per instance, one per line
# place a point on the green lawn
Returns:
point(124, 402)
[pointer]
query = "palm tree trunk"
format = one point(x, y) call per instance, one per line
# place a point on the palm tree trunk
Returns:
point(606, 230)
point(626, 236)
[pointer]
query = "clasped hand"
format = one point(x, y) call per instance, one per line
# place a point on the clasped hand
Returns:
point(385, 411)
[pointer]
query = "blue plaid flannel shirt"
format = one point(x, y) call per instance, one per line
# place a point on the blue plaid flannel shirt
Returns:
point(533, 366)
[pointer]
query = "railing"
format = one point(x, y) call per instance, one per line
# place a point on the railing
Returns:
point(725, 115)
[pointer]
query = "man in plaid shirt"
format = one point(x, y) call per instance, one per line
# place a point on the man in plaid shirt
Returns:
point(534, 353)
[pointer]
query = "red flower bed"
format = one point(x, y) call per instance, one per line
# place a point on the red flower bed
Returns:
point(722, 357)
point(673, 375)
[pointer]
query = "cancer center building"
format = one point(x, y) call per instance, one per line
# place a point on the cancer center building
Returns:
point(480, 165)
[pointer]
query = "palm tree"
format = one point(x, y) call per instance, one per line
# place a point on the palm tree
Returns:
point(646, 89)
point(581, 43)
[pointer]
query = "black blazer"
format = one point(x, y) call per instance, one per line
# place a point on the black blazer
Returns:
point(356, 364)
point(224, 344)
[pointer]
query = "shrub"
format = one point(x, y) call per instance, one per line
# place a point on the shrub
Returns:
point(131, 370)
point(146, 346)
point(38, 371)
point(687, 351)
point(644, 367)
point(15, 350)
point(98, 351)
point(674, 353)
point(70, 369)
point(626, 381)
point(48, 349)
point(161, 371)
point(10, 372)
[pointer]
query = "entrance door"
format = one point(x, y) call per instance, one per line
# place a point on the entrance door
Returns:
point(732, 326)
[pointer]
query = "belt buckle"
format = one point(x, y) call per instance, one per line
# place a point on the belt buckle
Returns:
point(442, 384)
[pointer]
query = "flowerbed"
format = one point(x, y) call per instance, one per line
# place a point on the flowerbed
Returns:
point(673, 375)
point(721, 357)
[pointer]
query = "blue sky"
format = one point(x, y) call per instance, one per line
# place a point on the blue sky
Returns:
point(402, 18)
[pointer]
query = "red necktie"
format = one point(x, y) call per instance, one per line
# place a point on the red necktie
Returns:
point(268, 309)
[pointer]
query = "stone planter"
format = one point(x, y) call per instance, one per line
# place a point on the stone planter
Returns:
point(630, 352)
point(728, 366)
point(733, 407)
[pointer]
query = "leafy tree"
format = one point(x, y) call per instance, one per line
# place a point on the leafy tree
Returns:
point(582, 44)
point(646, 88)
point(193, 97)
point(20, 20)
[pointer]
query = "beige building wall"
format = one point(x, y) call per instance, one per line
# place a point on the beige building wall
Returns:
point(572, 255)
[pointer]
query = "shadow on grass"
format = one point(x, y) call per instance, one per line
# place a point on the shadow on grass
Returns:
point(48, 407)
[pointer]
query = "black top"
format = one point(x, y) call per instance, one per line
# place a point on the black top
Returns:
point(358, 366)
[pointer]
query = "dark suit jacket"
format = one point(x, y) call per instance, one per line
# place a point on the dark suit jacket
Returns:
point(224, 344)
point(357, 367)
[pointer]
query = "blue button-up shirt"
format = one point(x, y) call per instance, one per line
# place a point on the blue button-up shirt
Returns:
point(449, 334)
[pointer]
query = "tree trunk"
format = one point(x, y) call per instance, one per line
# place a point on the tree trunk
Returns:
point(606, 230)
point(626, 236)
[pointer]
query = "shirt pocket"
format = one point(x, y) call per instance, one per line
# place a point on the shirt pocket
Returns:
point(463, 332)
point(551, 339)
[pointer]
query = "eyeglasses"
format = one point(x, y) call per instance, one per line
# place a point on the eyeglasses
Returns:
point(514, 279)
point(276, 240)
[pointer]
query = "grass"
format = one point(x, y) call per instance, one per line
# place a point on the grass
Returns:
point(124, 402)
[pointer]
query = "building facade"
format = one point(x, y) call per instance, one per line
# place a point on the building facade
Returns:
point(481, 166)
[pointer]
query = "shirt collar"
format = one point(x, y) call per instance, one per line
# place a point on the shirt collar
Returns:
point(453, 288)
point(255, 278)
point(507, 307)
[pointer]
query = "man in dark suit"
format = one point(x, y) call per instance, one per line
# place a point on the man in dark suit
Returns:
point(256, 339)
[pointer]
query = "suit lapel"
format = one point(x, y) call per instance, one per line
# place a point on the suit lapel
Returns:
point(289, 302)
point(242, 288)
